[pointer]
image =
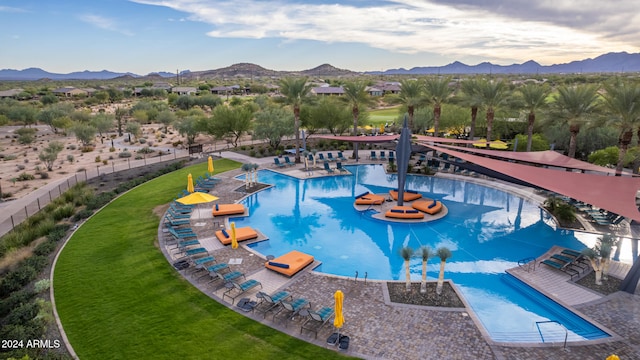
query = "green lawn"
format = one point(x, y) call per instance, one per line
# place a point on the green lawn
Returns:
point(118, 297)
point(381, 116)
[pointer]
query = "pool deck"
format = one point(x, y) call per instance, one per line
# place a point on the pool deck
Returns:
point(380, 329)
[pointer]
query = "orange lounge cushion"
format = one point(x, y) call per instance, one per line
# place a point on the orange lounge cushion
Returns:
point(242, 233)
point(370, 199)
point(295, 259)
point(404, 212)
point(227, 209)
point(428, 206)
point(408, 195)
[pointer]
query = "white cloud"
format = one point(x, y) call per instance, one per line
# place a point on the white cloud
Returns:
point(104, 23)
point(10, 9)
point(414, 26)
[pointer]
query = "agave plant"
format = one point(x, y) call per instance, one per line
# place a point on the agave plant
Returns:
point(425, 254)
point(406, 253)
point(443, 253)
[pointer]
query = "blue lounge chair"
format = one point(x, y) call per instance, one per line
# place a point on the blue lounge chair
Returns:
point(270, 302)
point(225, 277)
point(321, 157)
point(341, 157)
point(239, 289)
point(291, 308)
point(340, 168)
point(330, 157)
point(392, 156)
point(327, 168)
point(383, 157)
point(317, 320)
point(373, 156)
point(562, 267)
point(288, 162)
point(278, 163)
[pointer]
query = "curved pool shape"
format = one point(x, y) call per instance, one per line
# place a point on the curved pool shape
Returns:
point(486, 229)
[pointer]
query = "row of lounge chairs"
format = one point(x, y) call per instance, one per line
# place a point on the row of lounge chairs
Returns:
point(568, 261)
point(338, 167)
point(382, 156)
point(287, 162)
point(329, 157)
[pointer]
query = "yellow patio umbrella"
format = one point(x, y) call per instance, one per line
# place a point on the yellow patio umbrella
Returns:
point(210, 165)
point(432, 130)
point(368, 127)
point(190, 187)
point(381, 128)
point(613, 357)
point(498, 144)
point(234, 239)
point(480, 143)
point(339, 319)
point(197, 198)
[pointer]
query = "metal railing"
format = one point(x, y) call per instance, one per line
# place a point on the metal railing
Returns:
point(566, 332)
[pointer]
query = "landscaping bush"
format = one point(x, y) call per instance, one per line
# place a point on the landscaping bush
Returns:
point(100, 200)
point(86, 149)
point(45, 248)
point(124, 154)
point(14, 300)
point(16, 280)
point(98, 159)
point(23, 313)
point(146, 150)
point(63, 212)
point(142, 140)
point(43, 175)
point(58, 233)
point(25, 177)
point(82, 214)
point(36, 262)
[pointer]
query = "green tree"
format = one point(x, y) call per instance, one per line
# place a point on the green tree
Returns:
point(605, 157)
point(26, 135)
point(438, 92)
point(103, 124)
point(189, 127)
point(294, 90)
point(443, 253)
point(411, 96)
point(538, 143)
point(425, 254)
point(332, 115)
point(120, 115)
point(133, 128)
point(470, 97)
point(493, 95)
point(575, 106)
point(166, 118)
point(406, 253)
point(231, 122)
point(622, 101)
point(355, 92)
point(83, 132)
point(48, 99)
point(533, 97)
point(272, 124)
point(23, 114)
point(101, 96)
point(50, 154)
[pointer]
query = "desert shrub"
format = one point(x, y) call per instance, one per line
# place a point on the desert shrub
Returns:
point(36, 262)
point(177, 143)
point(105, 162)
point(70, 158)
point(142, 140)
point(86, 149)
point(23, 313)
point(20, 167)
point(6, 195)
point(252, 153)
point(14, 300)
point(145, 150)
point(45, 248)
point(72, 147)
point(63, 212)
point(25, 177)
point(16, 280)
point(42, 285)
point(9, 157)
point(58, 232)
point(43, 175)
point(139, 157)
point(124, 154)
point(100, 200)
point(112, 149)
point(98, 159)
point(43, 228)
point(82, 214)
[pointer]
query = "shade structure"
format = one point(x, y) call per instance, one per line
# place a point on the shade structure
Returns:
point(197, 198)
point(403, 153)
point(339, 319)
point(234, 238)
point(210, 165)
point(190, 187)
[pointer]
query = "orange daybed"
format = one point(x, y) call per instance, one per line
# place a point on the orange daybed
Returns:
point(227, 209)
point(408, 195)
point(429, 207)
point(290, 263)
point(404, 212)
point(242, 233)
point(369, 199)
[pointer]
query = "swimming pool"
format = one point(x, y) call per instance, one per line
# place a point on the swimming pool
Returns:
point(487, 230)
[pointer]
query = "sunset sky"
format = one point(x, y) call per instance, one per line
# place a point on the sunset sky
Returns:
point(143, 36)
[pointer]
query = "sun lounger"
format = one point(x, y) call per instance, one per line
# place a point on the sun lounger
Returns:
point(562, 267)
point(429, 207)
point(404, 212)
point(340, 168)
point(409, 195)
point(316, 320)
point(321, 157)
point(570, 261)
point(291, 308)
point(278, 163)
point(383, 157)
point(227, 209)
point(330, 157)
point(327, 168)
point(226, 277)
point(239, 289)
point(242, 234)
point(290, 263)
point(288, 161)
point(369, 199)
point(341, 157)
point(270, 302)
point(373, 156)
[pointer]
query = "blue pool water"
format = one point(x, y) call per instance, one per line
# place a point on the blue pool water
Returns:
point(487, 230)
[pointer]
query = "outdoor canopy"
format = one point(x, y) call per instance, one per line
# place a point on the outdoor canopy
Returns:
point(613, 193)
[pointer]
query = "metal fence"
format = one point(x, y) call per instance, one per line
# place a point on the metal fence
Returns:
point(15, 213)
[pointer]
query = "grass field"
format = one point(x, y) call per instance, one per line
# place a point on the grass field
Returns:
point(119, 298)
point(382, 116)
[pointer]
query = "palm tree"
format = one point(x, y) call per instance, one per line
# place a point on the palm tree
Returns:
point(355, 92)
point(493, 95)
point(406, 253)
point(533, 97)
point(470, 98)
point(425, 254)
point(438, 91)
point(622, 100)
point(443, 253)
point(411, 96)
point(294, 90)
point(598, 256)
point(575, 105)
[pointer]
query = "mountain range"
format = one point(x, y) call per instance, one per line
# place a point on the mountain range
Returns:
point(608, 63)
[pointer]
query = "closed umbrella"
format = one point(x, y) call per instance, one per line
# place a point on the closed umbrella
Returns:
point(234, 239)
point(339, 319)
point(210, 165)
point(403, 152)
point(190, 187)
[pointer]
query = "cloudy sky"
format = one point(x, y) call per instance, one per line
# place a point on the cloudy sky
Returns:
point(143, 36)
